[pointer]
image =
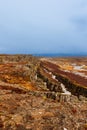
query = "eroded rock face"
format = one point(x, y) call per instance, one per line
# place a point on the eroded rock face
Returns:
point(76, 84)
point(32, 99)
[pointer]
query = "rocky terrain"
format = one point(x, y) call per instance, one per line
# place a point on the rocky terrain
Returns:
point(37, 94)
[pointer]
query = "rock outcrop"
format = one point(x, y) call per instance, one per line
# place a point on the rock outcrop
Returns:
point(35, 97)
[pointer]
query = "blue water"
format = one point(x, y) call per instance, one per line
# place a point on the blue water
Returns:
point(60, 55)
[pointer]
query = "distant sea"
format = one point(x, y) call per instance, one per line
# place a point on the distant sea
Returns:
point(60, 55)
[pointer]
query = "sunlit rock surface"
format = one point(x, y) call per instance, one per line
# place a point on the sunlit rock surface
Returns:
point(35, 96)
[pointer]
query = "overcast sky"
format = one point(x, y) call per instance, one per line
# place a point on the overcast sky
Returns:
point(43, 26)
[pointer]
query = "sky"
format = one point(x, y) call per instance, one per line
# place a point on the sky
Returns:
point(43, 26)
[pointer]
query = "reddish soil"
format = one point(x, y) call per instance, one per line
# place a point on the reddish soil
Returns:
point(24, 104)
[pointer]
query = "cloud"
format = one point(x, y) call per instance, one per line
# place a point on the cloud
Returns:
point(80, 23)
point(79, 17)
point(43, 26)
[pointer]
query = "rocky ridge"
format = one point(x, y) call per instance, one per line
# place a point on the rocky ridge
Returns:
point(31, 98)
